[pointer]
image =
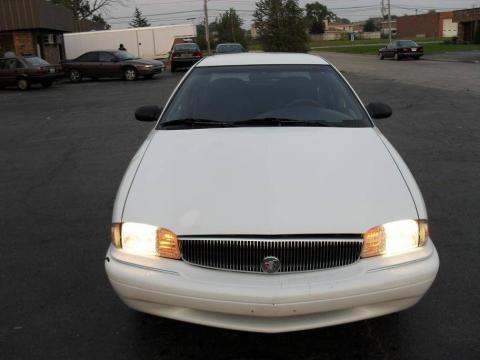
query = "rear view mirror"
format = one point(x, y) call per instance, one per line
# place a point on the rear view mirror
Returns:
point(148, 113)
point(379, 110)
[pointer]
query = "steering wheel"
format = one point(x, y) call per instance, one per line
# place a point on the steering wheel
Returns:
point(298, 102)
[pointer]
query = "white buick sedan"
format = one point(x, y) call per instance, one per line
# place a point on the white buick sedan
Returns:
point(266, 199)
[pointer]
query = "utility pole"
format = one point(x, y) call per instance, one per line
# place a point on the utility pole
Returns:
point(207, 30)
point(383, 9)
point(389, 23)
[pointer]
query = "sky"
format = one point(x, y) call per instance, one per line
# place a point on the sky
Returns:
point(163, 12)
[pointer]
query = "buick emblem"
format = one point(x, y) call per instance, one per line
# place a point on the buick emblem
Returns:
point(270, 264)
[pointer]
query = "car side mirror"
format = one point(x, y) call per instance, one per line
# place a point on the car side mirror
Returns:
point(148, 113)
point(379, 110)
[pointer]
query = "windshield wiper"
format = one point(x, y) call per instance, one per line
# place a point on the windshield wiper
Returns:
point(196, 122)
point(274, 121)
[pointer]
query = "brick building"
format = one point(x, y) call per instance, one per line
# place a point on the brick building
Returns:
point(468, 24)
point(36, 27)
point(433, 24)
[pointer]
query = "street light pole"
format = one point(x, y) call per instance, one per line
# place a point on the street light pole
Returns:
point(389, 23)
point(207, 30)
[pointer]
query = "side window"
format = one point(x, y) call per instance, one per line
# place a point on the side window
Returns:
point(88, 57)
point(105, 57)
point(10, 64)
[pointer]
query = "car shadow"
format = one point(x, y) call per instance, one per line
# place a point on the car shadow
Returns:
point(360, 340)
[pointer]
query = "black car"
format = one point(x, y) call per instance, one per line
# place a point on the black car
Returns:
point(184, 55)
point(229, 48)
point(111, 63)
point(23, 71)
point(399, 49)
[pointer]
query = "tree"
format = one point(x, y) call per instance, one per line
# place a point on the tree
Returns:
point(138, 19)
point(85, 9)
point(229, 28)
point(281, 25)
point(370, 26)
point(316, 14)
point(201, 38)
point(98, 18)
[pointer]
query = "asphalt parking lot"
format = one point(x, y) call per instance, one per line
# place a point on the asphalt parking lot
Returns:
point(63, 152)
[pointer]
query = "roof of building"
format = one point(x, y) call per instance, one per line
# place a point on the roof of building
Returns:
point(263, 59)
point(40, 14)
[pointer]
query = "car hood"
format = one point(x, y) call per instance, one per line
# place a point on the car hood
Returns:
point(146, 62)
point(268, 181)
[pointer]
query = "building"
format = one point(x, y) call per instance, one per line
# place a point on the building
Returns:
point(36, 26)
point(468, 24)
point(432, 24)
point(385, 28)
point(338, 27)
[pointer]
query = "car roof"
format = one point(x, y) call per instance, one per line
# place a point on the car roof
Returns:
point(262, 59)
point(229, 44)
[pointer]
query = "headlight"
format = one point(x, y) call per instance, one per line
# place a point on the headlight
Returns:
point(148, 66)
point(395, 238)
point(143, 239)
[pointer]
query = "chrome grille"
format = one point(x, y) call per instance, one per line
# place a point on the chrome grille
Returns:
point(247, 254)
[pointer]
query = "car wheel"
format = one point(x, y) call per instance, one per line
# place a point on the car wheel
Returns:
point(380, 56)
point(75, 76)
point(23, 84)
point(46, 84)
point(417, 57)
point(130, 74)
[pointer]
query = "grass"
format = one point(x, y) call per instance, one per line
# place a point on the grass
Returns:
point(365, 49)
point(428, 48)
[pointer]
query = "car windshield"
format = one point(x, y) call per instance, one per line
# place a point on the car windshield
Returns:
point(299, 95)
point(36, 61)
point(124, 55)
point(406, 43)
point(229, 48)
point(191, 47)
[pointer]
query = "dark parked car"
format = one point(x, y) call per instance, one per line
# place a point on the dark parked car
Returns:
point(229, 48)
point(111, 63)
point(23, 71)
point(184, 55)
point(399, 49)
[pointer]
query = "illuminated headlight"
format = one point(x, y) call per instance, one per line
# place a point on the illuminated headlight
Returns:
point(148, 66)
point(143, 239)
point(395, 238)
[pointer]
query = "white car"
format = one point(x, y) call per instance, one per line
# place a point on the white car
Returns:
point(267, 200)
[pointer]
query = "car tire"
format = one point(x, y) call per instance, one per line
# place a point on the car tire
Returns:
point(130, 74)
point(23, 84)
point(75, 76)
point(46, 84)
point(416, 57)
point(173, 68)
point(380, 56)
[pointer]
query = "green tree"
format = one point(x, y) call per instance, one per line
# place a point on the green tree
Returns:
point(281, 26)
point(98, 18)
point(138, 19)
point(229, 28)
point(370, 26)
point(316, 14)
point(201, 38)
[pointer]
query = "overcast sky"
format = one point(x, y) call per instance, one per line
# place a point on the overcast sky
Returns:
point(162, 12)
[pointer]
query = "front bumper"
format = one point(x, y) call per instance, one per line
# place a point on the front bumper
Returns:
point(150, 71)
point(272, 303)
